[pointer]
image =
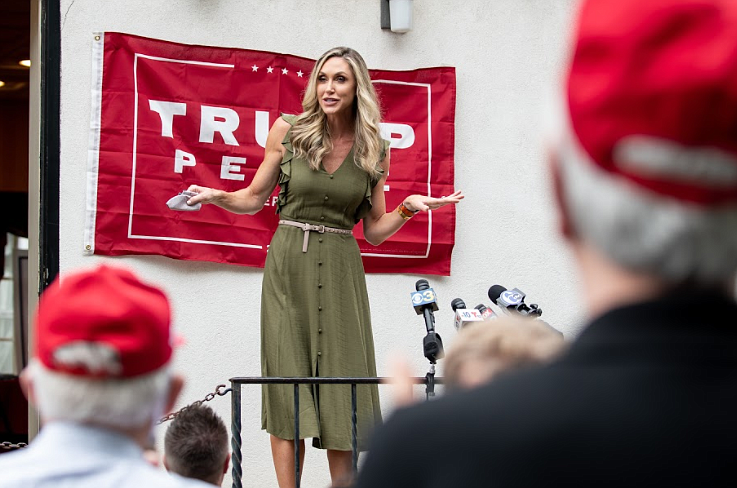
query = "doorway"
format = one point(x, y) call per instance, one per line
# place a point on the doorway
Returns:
point(15, 56)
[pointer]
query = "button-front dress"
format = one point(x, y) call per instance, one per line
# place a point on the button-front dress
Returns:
point(315, 318)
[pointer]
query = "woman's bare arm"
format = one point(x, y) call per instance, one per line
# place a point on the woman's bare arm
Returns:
point(251, 199)
point(379, 224)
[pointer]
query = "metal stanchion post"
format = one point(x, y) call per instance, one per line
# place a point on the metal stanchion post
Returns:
point(296, 436)
point(235, 439)
point(354, 428)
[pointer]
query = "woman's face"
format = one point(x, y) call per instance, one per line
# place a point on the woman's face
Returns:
point(336, 86)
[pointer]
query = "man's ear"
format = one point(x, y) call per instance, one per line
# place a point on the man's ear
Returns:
point(176, 383)
point(26, 385)
point(564, 220)
point(226, 464)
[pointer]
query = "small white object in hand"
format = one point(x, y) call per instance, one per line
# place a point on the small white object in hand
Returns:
point(179, 202)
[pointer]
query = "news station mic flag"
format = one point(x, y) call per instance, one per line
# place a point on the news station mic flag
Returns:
point(513, 301)
point(463, 315)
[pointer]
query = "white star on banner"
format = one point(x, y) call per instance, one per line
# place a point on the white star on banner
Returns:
point(284, 71)
point(254, 68)
point(269, 69)
point(299, 73)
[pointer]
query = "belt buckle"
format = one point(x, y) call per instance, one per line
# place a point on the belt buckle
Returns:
point(320, 229)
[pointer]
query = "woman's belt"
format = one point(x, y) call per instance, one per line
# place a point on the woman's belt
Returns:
point(314, 228)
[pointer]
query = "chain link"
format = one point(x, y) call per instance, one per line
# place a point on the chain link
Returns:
point(8, 446)
point(218, 392)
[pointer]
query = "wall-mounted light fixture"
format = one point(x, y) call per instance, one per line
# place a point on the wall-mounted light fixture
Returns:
point(396, 15)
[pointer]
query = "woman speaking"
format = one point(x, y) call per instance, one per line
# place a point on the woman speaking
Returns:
point(331, 165)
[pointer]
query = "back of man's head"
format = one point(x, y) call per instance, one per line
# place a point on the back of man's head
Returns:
point(645, 156)
point(196, 445)
point(102, 349)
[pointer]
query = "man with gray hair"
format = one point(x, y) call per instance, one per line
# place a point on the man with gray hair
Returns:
point(100, 379)
point(645, 165)
point(196, 445)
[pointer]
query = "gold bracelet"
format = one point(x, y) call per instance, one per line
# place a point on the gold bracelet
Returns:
point(404, 212)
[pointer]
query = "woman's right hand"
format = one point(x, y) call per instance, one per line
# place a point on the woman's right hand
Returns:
point(251, 199)
point(204, 194)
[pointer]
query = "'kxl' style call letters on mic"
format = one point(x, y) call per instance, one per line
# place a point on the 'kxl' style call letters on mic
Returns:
point(463, 315)
point(486, 312)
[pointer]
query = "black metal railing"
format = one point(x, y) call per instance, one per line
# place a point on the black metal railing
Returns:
point(235, 441)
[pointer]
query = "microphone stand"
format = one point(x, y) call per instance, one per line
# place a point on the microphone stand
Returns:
point(432, 346)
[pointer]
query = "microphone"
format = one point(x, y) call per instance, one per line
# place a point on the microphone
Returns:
point(464, 316)
point(486, 312)
point(425, 303)
point(513, 301)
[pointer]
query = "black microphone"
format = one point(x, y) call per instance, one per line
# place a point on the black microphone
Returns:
point(457, 303)
point(425, 303)
point(513, 301)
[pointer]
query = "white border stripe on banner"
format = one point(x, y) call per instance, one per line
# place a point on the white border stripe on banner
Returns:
point(233, 244)
point(135, 140)
point(93, 146)
point(135, 146)
point(429, 172)
point(185, 61)
point(196, 241)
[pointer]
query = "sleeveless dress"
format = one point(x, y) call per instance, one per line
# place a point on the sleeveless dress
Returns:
point(315, 318)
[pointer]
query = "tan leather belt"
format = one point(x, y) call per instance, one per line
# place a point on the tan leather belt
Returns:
point(313, 228)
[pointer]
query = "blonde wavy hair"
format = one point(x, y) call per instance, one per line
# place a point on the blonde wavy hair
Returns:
point(483, 350)
point(311, 135)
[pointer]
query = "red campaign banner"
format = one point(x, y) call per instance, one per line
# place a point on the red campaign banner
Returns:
point(167, 115)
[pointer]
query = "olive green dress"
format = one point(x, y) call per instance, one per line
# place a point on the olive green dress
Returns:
point(315, 318)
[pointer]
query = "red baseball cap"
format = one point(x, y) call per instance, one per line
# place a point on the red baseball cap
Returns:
point(652, 94)
point(103, 323)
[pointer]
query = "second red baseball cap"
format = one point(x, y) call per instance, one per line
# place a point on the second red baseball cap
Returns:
point(103, 322)
point(652, 95)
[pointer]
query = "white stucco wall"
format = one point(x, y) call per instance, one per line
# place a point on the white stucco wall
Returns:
point(507, 54)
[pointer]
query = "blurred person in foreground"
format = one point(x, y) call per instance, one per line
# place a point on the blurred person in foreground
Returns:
point(196, 445)
point(100, 379)
point(645, 165)
point(484, 350)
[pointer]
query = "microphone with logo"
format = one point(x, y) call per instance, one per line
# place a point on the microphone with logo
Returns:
point(513, 301)
point(463, 315)
point(486, 312)
point(425, 303)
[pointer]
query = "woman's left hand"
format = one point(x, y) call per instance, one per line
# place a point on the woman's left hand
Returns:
point(424, 203)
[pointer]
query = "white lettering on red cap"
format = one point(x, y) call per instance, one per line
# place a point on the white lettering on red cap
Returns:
point(662, 158)
point(97, 358)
